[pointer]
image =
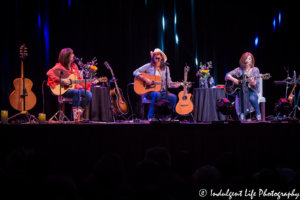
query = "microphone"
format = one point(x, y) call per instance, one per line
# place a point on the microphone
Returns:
point(157, 58)
point(76, 59)
point(164, 62)
point(295, 77)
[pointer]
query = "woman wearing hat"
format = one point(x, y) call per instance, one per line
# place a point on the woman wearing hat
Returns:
point(156, 68)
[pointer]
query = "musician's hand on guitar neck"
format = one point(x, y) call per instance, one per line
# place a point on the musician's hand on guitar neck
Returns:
point(95, 81)
point(177, 85)
point(65, 81)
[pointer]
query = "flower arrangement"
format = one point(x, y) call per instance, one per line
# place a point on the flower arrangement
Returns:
point(89, 68)
point(204, 70)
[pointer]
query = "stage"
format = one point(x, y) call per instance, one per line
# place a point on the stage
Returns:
point(75, 148)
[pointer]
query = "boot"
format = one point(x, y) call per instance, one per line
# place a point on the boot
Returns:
point(80, 113)
point(75, 114)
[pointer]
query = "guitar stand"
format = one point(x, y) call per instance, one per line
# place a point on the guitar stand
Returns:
point(190, 115)
point(60, 113)
point(294, 110)
point(31, 118)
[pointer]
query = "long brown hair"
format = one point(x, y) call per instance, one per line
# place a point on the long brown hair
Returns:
point(64, 57)
point(244, 57)
point(162, 66)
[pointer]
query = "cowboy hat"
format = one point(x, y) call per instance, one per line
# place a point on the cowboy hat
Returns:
point(157, 50)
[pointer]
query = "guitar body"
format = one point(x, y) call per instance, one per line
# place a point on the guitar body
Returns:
point(233, 89)
point(15, 98)
point(141, 88)
point(185, 104)
point(118, 102)
point(64, 88)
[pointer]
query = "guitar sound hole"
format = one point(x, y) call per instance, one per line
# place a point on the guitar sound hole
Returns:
point(184, 98)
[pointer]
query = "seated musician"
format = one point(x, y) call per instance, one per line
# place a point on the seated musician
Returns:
point(156, 68)
point(66, 62)
point(247, 61)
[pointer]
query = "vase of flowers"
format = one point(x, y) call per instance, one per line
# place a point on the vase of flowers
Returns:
point(204, 74)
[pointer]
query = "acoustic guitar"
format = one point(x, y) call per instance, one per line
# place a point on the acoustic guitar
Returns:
point(185, 104)
point(232, 89)
point(22, 98)
point(291, 96)
point(118, 101)
point(141, 88)
point(73, 79)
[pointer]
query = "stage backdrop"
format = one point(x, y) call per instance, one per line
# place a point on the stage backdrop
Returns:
point(124, 32)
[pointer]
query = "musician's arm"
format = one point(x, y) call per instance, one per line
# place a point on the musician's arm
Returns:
point(138, 73)
point(255, 83)
point(230, 77)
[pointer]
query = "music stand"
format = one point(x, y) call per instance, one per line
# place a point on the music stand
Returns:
point(61, 73)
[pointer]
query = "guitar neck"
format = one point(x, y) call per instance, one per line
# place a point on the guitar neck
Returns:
point(169, 83)
point(22, 68)
point(82, 81)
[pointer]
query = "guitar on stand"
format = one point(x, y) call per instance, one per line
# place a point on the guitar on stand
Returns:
point(22, 98)
point(119, 104)
point(291, 99)
point(185, 105)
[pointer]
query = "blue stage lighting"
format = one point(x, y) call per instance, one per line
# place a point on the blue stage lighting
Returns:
point(39, 20)
point(274, 23)
point(175, 19)
point(163, 22)
point(256, 41)
point(196, 60)
point(69, 3)
point(279, 18)
point(176, 38)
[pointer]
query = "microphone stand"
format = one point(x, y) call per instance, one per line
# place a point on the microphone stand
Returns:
point(287, 77)
point(85, 76)
point(243, 90)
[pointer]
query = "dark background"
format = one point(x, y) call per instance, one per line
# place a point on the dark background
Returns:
point(124, 32)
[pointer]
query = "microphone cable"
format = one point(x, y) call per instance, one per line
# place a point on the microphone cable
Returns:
point(130, 103)
point(43, 95)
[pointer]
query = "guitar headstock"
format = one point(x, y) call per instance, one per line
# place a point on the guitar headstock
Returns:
point(266, 76)
point(107, 65)
point(103, 79)
point(23, 52)
point(186, 68)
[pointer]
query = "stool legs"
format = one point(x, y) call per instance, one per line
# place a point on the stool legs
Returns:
point(263, 110)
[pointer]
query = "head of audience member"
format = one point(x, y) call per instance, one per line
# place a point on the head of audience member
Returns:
point(183, 164)
point(108, 170)
point(207, 177)
point(227, 165)
point(161, 156)
point(147, 173)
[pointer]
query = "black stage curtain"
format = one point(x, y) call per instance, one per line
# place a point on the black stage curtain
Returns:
point(124, 32)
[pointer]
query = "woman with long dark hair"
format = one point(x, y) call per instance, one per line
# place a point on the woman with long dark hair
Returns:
point(66, 62)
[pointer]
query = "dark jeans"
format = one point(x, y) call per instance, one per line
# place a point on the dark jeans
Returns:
point(253, 98)
point(154, 96)
point(76, 94)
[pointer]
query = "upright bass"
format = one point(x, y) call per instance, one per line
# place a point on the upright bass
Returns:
point(22, 98)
